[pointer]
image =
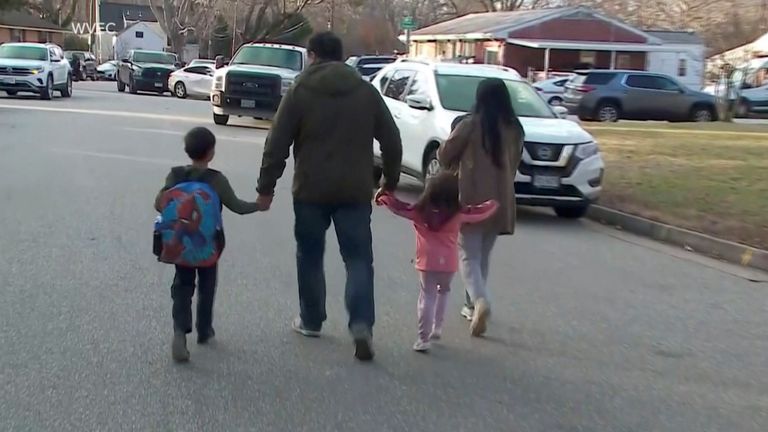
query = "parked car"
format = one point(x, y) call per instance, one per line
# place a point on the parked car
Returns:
point(146, 71)
point(83, 65)
point(34, 68)
point(612, 95)
point(199, 62)
point(751, 80)
point(552, 89)
point(369, 66)
point(561, 165)
point(108, 70)
point(255, 81)
point(193, 81)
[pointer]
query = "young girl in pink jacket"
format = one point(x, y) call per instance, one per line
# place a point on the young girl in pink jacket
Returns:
point(437, 218)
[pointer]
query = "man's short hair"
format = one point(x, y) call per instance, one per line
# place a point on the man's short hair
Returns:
point(326, 46)
point(198, 142)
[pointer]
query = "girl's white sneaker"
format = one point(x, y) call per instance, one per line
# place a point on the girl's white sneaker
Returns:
point(422, 346)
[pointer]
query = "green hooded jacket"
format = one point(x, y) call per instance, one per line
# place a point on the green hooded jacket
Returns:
point(331, 116)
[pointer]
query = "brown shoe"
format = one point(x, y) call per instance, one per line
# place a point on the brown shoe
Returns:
point(480, 319)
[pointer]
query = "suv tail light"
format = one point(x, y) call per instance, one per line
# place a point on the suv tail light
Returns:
point(584, 88)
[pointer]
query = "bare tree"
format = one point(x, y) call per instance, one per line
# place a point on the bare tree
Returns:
point(59, 12)
point(178, 18)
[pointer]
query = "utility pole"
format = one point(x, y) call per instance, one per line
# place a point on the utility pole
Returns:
point(234, 32)
point(331, 14)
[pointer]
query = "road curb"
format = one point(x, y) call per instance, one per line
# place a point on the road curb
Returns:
point(736, 253)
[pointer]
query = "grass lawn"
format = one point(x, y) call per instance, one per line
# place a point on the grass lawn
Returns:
point(686, 175)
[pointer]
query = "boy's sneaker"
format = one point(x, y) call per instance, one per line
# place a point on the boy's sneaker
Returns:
point(298, 326)
point(179, 350)
point(205, 337)
point(437, 334)
point(467, 312)
point(363, 343)
point(422, 346)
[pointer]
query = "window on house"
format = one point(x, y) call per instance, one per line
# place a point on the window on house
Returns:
point(491, 56)
point(682, 67)
point(17, 35)
point(623, 61)
point(587, 57)
point(139, 35)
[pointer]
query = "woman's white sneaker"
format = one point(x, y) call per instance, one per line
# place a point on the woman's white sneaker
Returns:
point(422, 346)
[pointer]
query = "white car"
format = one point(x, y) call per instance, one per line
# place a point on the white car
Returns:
point(561, 165)
point(34, 68)
point(194, 81)
point(107, 70)
point(552, 89)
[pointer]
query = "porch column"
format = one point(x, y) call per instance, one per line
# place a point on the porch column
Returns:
point(546, 63)
point(613, 59)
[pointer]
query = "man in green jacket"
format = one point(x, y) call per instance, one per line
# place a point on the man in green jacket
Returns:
point(331, 116)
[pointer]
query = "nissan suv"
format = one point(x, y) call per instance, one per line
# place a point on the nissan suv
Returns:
point(561, 165)
point(612, 95)
point(34, 68)
point(254, 82)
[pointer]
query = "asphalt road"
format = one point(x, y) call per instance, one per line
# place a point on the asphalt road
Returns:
point(593, 330)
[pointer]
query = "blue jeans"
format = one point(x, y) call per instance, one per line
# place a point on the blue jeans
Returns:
point(353, 231)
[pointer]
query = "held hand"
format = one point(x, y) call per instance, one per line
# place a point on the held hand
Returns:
point(379, 194)
point(264, 202)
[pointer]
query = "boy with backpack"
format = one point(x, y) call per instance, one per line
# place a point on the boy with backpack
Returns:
point(189, 234)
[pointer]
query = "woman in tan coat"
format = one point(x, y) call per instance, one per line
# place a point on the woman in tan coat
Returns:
point(485, 150)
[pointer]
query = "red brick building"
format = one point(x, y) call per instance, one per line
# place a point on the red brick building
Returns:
point(553, 40)
point(22, 26)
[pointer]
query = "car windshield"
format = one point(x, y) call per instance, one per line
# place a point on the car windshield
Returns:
point(369, 70)
point(154, 57)
point(457, 93)
point(268, 56)
point(23, 52)
point(69, 55)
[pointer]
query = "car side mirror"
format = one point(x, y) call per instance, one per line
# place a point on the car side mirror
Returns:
point(56, 60)
point(125, 60)
point(419, 102)
point(561, 111)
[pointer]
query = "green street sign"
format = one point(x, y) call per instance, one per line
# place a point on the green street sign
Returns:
point(408, 23)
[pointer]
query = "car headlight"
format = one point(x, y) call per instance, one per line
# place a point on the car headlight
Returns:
point(584, 151)
point(285, 86)
point(37, 70)
point(218, 83)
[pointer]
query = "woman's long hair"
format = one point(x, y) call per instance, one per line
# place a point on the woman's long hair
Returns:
point(440, 201)
point(494, 107)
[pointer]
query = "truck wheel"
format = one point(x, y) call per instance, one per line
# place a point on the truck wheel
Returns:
point(47, 92)
point(132, 86)
point(220, 119)
point(571, 212)
point(11, 92)
point(120, 83)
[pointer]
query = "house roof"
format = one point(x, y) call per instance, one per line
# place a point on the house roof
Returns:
point(24, 19)
point(489, 22)
point(676, 37)
point(119, 13)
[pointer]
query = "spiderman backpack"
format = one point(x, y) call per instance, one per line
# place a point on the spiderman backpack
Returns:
point(189, 230)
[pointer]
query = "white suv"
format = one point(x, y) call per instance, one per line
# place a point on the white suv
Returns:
point(34, 68)
point(561, 165)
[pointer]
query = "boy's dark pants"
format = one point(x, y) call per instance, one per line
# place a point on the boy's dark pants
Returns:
point(352, 223)
point(183, 289)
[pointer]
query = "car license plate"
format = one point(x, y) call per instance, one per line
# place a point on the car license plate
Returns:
point(546, 182)
point(159, 85)
point(246, 103)
point(9, 80)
